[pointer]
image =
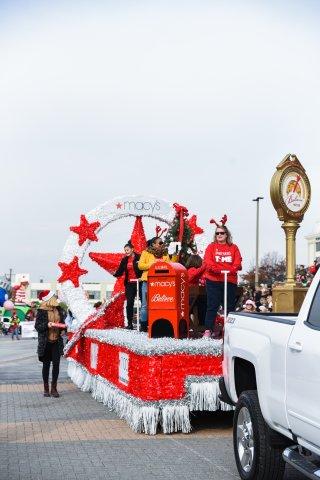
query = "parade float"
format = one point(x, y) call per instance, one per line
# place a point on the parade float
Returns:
point(152, 380)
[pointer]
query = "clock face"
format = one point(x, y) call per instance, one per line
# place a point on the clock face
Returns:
point(294, 191)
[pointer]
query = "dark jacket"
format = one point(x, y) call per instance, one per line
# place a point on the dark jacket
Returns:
point(122, 269)
point(41, 326)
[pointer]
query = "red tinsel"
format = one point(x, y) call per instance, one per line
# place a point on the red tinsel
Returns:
point(192, 222)
point(138, 237)
point(110, 261)
point(182, 212)
point(71, 271)
point(151, 378)
point(113, 317)
point(86, 230)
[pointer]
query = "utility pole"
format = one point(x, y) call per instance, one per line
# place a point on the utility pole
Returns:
point(256, 276)
point(9, 277)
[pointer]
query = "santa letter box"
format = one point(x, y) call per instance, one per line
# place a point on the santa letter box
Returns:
point(168, 300)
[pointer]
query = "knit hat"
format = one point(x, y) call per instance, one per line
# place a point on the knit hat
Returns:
point(250, 302)
point(45, 295)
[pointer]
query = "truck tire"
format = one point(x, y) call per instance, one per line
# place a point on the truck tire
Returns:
point(256, 459)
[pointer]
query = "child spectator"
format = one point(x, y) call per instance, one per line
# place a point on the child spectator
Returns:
point(249, 306)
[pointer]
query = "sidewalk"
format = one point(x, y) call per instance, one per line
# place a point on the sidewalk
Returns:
point(76, 438)
point(16, 349)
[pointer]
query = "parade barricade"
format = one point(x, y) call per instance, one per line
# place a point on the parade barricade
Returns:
point(28, 330)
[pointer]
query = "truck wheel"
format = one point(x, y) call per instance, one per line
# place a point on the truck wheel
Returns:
point(256, 459)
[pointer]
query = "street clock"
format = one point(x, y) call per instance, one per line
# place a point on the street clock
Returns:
point(290, 189)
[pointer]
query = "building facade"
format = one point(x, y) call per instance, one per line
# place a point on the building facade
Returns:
point(314, 244)
point(95, 291)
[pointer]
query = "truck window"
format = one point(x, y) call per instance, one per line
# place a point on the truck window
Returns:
point(314, 312)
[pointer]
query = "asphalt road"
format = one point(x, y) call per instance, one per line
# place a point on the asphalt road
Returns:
point(74, 437)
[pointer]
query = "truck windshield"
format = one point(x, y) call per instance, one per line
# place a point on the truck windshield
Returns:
point(314, 312)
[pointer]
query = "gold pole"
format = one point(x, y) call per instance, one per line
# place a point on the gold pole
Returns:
point(290, 228)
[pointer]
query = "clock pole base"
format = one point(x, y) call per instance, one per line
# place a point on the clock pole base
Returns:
point(288, 298)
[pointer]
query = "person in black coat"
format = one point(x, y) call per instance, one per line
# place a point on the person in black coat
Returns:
point(129, 267)
point(49, 320)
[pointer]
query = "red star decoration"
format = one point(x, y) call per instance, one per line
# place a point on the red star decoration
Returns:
point(119, 205)
point(110, 261)
point(86, 230)
point(71, 271)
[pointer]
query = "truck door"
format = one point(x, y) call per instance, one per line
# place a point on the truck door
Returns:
point(303, 375)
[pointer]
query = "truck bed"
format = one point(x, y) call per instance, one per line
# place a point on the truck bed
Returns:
point(288, 318)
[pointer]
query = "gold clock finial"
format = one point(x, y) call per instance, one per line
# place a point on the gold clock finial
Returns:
point(290, 160)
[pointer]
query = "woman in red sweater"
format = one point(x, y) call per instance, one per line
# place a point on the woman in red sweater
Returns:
point(220, 255)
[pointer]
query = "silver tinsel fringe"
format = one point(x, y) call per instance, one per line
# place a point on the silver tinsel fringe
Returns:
point(141, 344)
point(144, 417)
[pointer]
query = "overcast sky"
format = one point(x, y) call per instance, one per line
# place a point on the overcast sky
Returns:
point(194, 102)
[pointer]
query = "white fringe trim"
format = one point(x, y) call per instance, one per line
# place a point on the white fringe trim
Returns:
point(144, 417)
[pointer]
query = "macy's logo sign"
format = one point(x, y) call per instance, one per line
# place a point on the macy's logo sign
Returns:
point(163, 284)
point(138, 206)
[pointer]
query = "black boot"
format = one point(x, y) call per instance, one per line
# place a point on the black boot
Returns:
point(46, 392)
point(54, 392)
point(143, 327)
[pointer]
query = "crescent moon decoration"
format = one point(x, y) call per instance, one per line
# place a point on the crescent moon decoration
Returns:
point(91, 224)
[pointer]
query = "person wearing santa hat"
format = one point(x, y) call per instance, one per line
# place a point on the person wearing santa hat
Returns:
point(49, 325)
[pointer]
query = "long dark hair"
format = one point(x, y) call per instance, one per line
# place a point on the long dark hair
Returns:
point(194, 261)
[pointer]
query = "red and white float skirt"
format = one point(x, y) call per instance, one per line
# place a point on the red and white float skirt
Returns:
point(150, 383)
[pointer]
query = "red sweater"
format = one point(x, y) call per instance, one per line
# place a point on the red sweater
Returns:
point(195, 274)
point(220, 257)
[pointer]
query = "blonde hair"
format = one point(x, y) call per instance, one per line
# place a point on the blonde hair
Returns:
point(51, 303)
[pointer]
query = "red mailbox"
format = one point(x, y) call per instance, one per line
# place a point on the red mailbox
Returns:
point(168, 300)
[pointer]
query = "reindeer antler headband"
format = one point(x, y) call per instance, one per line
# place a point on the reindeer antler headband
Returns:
point(222, 222)
point(159, 231)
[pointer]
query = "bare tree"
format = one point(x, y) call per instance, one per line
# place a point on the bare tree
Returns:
point(272, 269)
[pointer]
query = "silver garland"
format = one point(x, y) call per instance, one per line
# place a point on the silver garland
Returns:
point(145, 416)
point(77, 334)
point(141, 344)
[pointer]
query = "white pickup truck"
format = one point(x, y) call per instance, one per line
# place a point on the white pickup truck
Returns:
point(272, 375)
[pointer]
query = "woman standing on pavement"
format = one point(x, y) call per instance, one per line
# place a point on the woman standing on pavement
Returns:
point(14, 325)
point(50, 318)
point(129, 267)
point(222, 254)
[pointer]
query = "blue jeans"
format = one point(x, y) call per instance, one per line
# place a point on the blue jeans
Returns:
point(15, 332)
point(215, 298)
point(144, 311)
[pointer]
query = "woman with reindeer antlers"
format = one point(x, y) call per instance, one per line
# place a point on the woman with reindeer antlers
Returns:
point(219, 256)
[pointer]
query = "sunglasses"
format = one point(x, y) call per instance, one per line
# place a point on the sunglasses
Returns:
point(220, 233)
point(160, 243)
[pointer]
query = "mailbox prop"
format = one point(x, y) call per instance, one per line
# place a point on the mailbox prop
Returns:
point(168, 300)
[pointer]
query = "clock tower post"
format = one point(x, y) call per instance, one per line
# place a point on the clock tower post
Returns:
point(290, 193)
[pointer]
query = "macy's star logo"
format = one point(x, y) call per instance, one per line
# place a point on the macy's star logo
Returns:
point(119, 205)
